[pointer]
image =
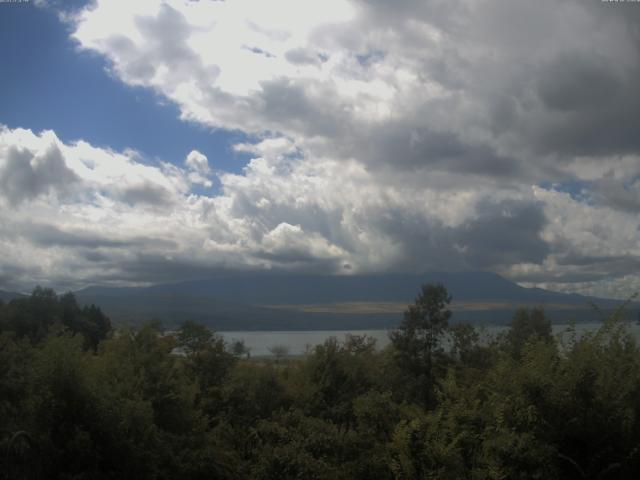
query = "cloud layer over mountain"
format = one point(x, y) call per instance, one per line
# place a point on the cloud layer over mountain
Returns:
point(386, 136)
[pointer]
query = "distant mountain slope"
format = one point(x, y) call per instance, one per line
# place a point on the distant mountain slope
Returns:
point(247, 301)
point(265, 289)
point(8, 296)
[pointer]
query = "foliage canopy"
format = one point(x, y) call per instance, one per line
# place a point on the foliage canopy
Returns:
point(78, 400)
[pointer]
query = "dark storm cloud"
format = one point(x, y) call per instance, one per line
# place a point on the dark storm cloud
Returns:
point(300, 260)
point(622, 264)
point(589, 109)
point(502, 234)
point(146, 193)
point(301, 56)
point(410, 147)
point(25, 175)
point(578, 82)
point(567, 84)
point(505, 233)
point(540, 78)
point(50, 235)
point(584, 268)
point(289, 105)
point(13, 276)
point(617, 194)
point(153, 267)
point(94, 256)
point(445, 14)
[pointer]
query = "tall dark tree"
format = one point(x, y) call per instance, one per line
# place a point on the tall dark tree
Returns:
point(207, 361)
point(89, 321)
point(417, 340)
point(194, 337)
point(527, 326)
point(32, 317)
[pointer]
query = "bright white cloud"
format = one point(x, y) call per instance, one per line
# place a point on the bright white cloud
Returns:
point(197, 162)
point(198, 166)
point(217, 59)
point(271, 147)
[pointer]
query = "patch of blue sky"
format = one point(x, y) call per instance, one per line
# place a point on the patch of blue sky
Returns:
point(368, 58)
point(47, 83)
point(630, 183)
point(577, 189)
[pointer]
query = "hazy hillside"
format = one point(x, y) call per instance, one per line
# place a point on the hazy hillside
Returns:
point(274, 289)
point(280, 302)
point(7, 296)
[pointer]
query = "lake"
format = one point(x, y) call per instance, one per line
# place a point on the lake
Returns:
point(298, 342)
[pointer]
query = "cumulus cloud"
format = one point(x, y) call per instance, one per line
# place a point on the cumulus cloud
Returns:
point(515, 90)
point(530, 93)
point(298, 214)
point(26, 174)
point(198, 164)
point(271, 147)
point(388, 136)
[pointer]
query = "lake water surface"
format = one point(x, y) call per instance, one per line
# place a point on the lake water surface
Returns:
point(298, 342)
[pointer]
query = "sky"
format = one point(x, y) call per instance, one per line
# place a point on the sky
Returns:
point(157, 141)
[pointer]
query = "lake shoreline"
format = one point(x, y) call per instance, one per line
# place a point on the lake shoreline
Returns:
point(297, 342)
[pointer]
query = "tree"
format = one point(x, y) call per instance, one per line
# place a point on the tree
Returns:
point(527, 326)
point(89, 321)
point(279, 351)
point(194, 337)
point(239, 349)
point(339, 372)
point(34, 316)
point(207, 362)
point(31, 317)
point(417, 339)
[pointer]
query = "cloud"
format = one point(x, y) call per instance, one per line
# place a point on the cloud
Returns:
point(293, 213)
point(25, 174)
point(271, 147)
point(301, 56)
point(198, 165)
point(48, 235)
point(398, 136)
point(197, 162)
point(514, 90)
point(621, 195)
point(289, 246)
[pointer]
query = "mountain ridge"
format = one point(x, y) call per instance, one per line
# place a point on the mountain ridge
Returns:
point(7, 296)
point(239, 301)
point(303, 289)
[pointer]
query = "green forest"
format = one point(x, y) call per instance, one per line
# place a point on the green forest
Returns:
point(82, 400)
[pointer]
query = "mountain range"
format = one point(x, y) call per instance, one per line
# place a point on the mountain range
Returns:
point(270, 301)
point(8, 296)
point(276, 301)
